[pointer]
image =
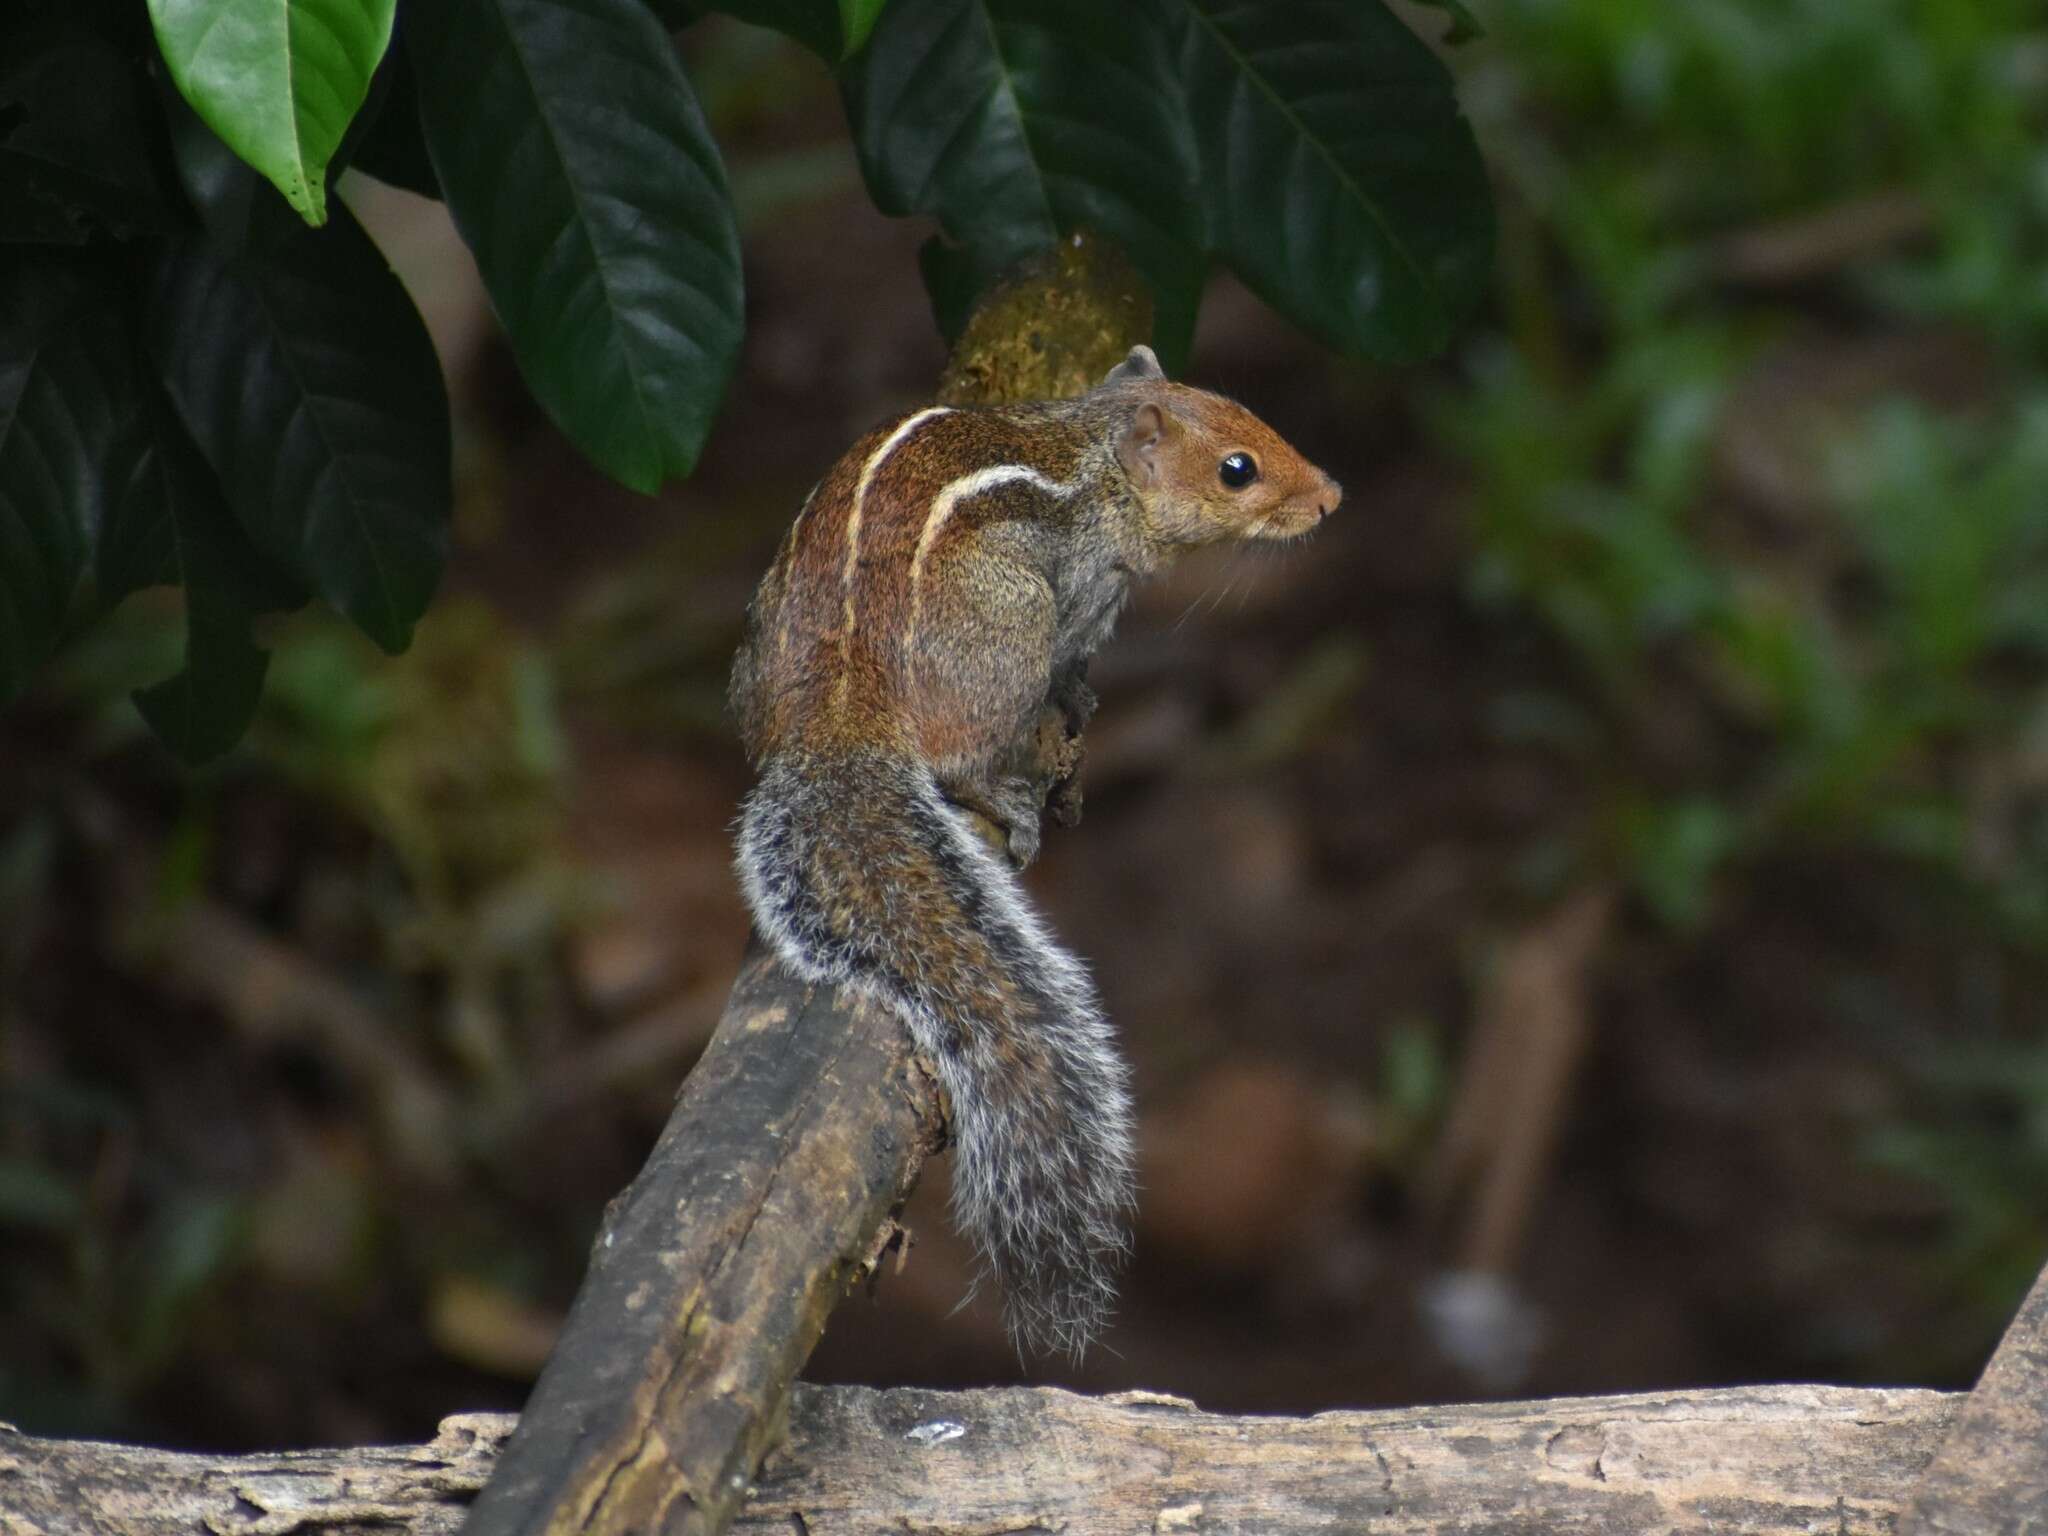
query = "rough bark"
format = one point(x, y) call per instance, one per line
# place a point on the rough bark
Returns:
point(1990, 1476)
point(1817, 1461)
point(800, 1131)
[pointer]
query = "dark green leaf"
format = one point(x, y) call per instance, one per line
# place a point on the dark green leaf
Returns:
point(832, 29)
point(386, 140)
point(1338, 176)
point(300, 367)
point(578, 167)
point(676, 14)
point(74, 153)
point(221, 188)
point(170, 525)
point(953, 280)
point(857, 19)
point(278, 80)
point(1013, 121)
point(70, 433)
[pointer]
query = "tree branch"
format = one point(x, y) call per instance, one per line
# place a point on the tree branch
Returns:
point(1990, 1476)
point(1747, 1461)
point(800, 1131)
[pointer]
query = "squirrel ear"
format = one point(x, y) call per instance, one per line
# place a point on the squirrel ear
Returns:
point(1141, 447)
point(1143, 363)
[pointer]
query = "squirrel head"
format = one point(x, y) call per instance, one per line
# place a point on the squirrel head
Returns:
point(1204, 468)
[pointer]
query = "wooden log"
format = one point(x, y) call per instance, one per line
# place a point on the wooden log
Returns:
point(1748, 1461)
point(800, 1131)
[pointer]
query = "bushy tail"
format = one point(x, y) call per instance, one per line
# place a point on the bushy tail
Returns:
point(858, 872)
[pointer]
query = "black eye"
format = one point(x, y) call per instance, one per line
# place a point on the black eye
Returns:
point(1238, 471)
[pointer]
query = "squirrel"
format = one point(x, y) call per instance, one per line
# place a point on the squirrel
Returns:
point(945, 581)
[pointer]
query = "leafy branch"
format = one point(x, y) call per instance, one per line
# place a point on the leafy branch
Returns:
point(210, 378)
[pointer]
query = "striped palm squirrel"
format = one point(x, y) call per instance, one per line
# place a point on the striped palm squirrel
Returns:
point(946, 579)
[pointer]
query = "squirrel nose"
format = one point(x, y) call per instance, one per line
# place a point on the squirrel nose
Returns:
point(1327, 499)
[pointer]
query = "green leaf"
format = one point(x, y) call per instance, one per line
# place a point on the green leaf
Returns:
point(75, 158)
point(70, 432)
point(953, 280)
point(278, 80)
point(1013, 121)
point(1677, 849)
point(303, 372)
point(577, 165)
point(1338, 176)
point(172, 526)
point(219, 185)
point(388, 142)
point(857, 19)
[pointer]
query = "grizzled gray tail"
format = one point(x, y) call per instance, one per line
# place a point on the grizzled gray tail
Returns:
point(859, 873)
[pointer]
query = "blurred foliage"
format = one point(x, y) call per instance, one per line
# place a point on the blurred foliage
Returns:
point(208, 383)
point(421, 980)
point(1763, 445)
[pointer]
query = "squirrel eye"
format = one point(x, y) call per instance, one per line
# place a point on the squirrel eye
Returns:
point(1238, 471)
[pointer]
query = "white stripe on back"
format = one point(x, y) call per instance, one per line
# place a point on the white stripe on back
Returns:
point(868, 471)
point(943, 505)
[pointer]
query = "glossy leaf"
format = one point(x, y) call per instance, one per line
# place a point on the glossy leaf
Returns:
point(1012, 121)
point(857, 19)
point(278, 80)
point(170, 526)
point(70, 433)
point(303, 372)
point(577, 165)
point(1338, 176)
point(218, 184)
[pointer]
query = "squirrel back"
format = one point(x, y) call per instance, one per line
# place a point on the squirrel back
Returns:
point(945, 581)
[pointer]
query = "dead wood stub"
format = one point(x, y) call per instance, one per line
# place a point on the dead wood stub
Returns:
point(711, 1278)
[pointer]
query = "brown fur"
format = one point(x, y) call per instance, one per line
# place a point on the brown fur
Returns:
point(1143, 459)
point(950, 575)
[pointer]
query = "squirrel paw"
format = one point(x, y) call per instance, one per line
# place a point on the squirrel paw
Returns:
point(1074, 699)
point(1011, 806)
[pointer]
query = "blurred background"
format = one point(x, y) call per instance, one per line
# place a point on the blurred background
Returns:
point(1580, 922)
